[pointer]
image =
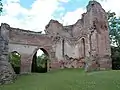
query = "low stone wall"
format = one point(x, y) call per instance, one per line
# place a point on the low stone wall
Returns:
point(94, 63)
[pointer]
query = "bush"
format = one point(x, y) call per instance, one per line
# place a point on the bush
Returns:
point(115, 55)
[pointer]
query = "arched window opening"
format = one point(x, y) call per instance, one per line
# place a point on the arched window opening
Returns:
point(39, 62)
point(15, 60)
point(83, 47)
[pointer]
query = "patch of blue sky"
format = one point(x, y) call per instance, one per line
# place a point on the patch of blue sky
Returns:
point(72, 5)
point(27, 3)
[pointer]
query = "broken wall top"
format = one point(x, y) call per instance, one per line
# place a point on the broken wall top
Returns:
point(94, 17)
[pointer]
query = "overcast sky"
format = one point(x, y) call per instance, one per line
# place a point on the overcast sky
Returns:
point(34, 15)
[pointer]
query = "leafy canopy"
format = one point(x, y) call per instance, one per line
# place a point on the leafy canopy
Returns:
point(14, 59)
point(42, 60)
point(114, 27)
point(1, 7)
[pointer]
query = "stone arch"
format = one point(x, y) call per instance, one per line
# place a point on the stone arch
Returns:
point(44, 49)
point(34, 57)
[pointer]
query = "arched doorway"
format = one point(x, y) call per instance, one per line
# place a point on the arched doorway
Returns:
point(39, 61)
point(15, 60)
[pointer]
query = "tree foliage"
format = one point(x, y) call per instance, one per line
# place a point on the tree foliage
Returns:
point(114, 27)
point(14, 59)
point(1, 7)
point(42, 60)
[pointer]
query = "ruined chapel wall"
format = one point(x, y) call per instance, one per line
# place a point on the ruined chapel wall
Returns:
point(99, 37)
point(92, 28)
point(26, 43)
point(100, 24)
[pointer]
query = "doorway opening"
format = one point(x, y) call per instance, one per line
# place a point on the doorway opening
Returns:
point(15, 60)
point(39, 61)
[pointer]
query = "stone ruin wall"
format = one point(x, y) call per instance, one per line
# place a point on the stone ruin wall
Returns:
point(92, 28)
point(26, 43)
point(7, 74)
point(83, 44)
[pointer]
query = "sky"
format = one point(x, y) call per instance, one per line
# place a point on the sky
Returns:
point(34, 15)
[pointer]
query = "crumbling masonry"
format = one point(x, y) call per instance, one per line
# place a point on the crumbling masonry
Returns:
point(83, 44)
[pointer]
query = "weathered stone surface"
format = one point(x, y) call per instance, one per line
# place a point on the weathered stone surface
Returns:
point(7, 74)
point(91, 64)
point(66, 46)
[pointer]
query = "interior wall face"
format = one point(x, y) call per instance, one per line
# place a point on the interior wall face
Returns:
point(58, 50)
point(22, 49)
point(71, 50)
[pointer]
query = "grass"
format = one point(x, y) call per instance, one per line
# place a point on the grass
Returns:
point(68, 79)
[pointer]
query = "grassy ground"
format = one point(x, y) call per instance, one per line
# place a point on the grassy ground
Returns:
point(71, 79)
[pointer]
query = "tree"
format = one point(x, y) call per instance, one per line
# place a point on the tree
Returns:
point(42, 63)
point(114, 27)
point(1, 7)
point(14, 59)
point(42, 60)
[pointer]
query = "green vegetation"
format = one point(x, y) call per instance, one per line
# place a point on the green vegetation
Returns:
point(39, 63)
point(42, 60)
point(14, 59)
point(114, 27)
point(1, 7)
point(42, 63)
point(68, 79)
